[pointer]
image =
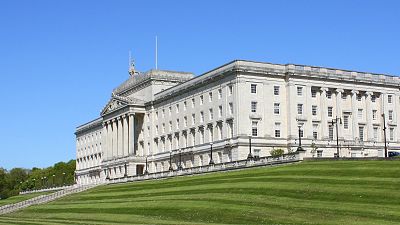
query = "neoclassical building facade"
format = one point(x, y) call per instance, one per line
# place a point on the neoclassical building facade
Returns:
point(162, 120)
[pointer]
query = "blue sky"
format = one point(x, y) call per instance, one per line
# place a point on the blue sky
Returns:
point(60, 60)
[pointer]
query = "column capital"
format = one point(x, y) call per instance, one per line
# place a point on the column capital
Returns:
point(369, 93)
point(339, 90)
point(354, 92)
point(119, 118)
point(324, 89)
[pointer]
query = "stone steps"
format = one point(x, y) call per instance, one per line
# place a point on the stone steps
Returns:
point(43, 198)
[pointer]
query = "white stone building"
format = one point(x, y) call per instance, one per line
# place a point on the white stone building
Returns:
point(167, 119)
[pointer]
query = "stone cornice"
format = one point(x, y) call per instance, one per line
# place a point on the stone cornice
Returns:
point(88, 126)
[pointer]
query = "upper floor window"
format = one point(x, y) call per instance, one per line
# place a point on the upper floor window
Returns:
point(193, 118)
point(185, 121)
point(184, 105)
point(360, 114)
point(177, 124)
point(163, 113)
point(299, 109)
point(219, 93)
point(390, 115)
point(230, 108)
point(201, 116)
point(390, 98)
point(253, 107)
point(329, 94)
point(373, 98)
point(276, 90)
point(210, 96)
point(346, 122)
point(220, 111)
point(277, 130)
point(300, 91)
point(374, 114)
point(330, 111)
point(193, 103)
point(177, 108)
point(359, 97)
point(391, 134)
point(253, 88)
point(230, 89)
point(344, 96)
point(157, 115)
point(169, 110)
point(313, 93)
point(211, 114)
point(276, 108)
point(170, 125)
point(201, 99)
point(314, 110)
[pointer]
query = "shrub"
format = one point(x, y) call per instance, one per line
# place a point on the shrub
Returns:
point(276, 152)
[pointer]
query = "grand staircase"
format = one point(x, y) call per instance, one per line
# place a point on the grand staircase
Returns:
point(44, 198)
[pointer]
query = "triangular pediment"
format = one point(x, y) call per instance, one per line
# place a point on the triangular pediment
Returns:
point(116, 102)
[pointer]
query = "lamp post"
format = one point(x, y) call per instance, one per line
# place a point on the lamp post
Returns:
point(145, 171)
point(299, 131)
point(52, 180)
point(384, 134)
point(34, 183)
point(335, 121)
point(180, 159)
point(250, 156)
point(211, 155)
point(170, 162)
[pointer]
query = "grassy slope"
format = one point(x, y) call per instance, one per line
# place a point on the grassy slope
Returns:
point(20, 198)
point(348, 192)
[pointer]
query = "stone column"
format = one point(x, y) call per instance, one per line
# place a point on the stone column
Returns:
point(104, 141)
point(115, 138)
point(120, 129)
point(370, 128)
point(339, 113)
point(125, 138)
point(131, 131)
point(355, 113)
point(109, 139)
point(324, 116)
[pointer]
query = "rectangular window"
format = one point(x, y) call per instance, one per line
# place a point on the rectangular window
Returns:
point(329, 94)
point(374, 114)
point(359, 97)
point(390, 98)
point(319, 154)
point(230, 108)
point(299, 109)
point(219, 93)
point(184, 105)
point(193, 105)
point(344, 96)
point(361, 133)
point(390, 112)
point(346, 122)
point(177, 124)
point(230, 89)
point(276, 108)
point(201, 99)
point(299, 91)
point(210, 96)
point(163, 127)
point(156, 129)
point(373, 98)
point(170, 126)
point(315, 131)
point(193, 119)
point(169, 110)
point(276, 90)
point(313, 93)
point(177, 108)
point(211, 114)
point(330, 129)
point(253, 88)
point(360, 114)
point(314, 110)
point(201, 117)
point(277, 130)
point(391, 134)
point(185, 121)
point(253, 107)
point(375, 133)
point(254, 128)
point(330, 111)
point(220, 111)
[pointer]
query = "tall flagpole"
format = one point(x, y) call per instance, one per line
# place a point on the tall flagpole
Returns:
point(156, 53)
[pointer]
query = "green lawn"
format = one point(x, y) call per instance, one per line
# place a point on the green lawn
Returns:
point(343, 192)
point(20, 198)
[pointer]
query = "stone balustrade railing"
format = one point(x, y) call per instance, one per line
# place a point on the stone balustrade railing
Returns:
point(43, 198)
point(263, 161)
point(45, 189)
